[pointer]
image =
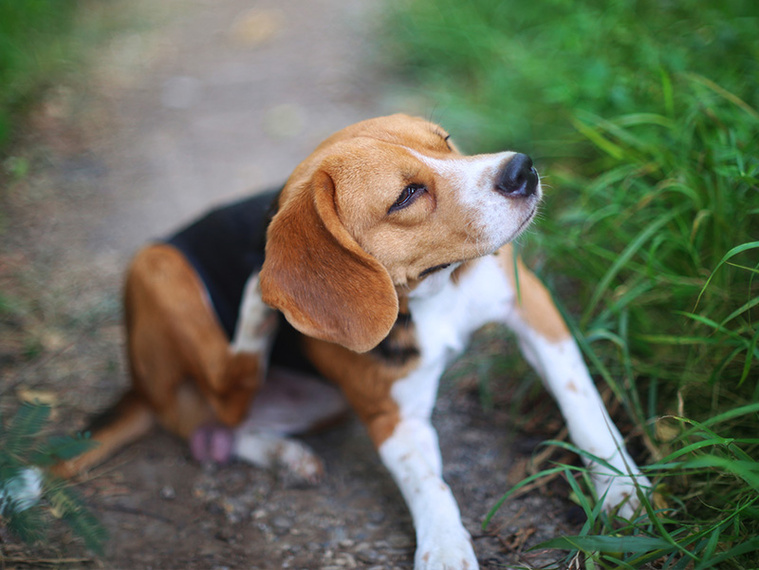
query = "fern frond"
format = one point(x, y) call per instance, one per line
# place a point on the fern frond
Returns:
point(24, 427)
point(61, 448)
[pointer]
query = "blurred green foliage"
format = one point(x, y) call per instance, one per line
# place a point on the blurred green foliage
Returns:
point(515, 72)
point(29, 496)
point(643, 114)
point(35, 47)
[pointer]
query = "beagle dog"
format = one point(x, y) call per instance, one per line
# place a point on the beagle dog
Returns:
point(385, 250)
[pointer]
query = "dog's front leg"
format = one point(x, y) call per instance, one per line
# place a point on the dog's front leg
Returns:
point(549, 347)
point(412, 455)
point(590, 427)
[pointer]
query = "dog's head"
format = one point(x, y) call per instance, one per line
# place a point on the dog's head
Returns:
point(386, 206)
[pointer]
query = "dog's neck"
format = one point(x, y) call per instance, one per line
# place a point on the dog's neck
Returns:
point(429, 286)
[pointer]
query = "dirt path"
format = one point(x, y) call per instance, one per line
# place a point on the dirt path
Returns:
point(205, 102)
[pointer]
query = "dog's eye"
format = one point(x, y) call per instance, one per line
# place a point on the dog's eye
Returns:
point(409, 194)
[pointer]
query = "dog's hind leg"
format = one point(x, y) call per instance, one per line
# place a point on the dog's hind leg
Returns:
point(128, 420)
point(289, 403)
point(175, 338)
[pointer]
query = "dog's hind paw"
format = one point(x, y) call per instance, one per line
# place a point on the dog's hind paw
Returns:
point(300, 462)
point(295, 460)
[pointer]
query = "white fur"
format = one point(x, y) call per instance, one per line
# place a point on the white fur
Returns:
point(444, 322)
point(292, 403)
point(564, 373)
point(253, 313)
point(273, 451)
point(411, 454)
point(445, 314)
point(435, 282)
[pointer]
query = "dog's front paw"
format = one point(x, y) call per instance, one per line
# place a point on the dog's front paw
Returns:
point(212, 443)
point(446, 549)
point(619, 492)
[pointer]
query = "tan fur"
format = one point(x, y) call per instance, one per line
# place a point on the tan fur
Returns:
point(134, 419)
point(534, 301)
point(384, 218)
point(174, 335)
point(318, 276)
point(365, 381)
point(332, 227)
point(183, 371)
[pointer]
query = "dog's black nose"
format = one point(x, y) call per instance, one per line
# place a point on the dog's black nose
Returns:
point(518, 178)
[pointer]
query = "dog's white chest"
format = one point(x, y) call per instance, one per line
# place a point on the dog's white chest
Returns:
point(445, 320)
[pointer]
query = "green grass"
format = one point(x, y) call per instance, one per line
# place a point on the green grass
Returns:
point(35, 47)
point(45, 43)
point(643, 119)
point(26, 450)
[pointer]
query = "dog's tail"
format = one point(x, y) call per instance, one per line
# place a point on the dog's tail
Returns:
point(126, 421)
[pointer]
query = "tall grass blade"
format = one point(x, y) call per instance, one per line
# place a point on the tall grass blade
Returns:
point(624, 259)
point(730, 254)
point(734, 99)
point(603, 543)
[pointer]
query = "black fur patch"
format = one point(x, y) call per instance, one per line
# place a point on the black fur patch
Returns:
point(226, 246)
point(399, 347)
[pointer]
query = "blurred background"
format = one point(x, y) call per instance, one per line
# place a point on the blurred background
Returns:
point(120, 120)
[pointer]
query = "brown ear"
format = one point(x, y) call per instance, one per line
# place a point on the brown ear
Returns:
point(320, 278)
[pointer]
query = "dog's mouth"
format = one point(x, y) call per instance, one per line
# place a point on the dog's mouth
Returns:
point(527, 221)
point(434, 269)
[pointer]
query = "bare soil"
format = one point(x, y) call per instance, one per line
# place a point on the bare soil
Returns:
point(191, 104)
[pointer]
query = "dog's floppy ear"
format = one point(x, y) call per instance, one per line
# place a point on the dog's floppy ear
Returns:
point(326, 285)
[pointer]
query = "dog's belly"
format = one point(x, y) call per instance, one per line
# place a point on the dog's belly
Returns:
point(293, 402)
